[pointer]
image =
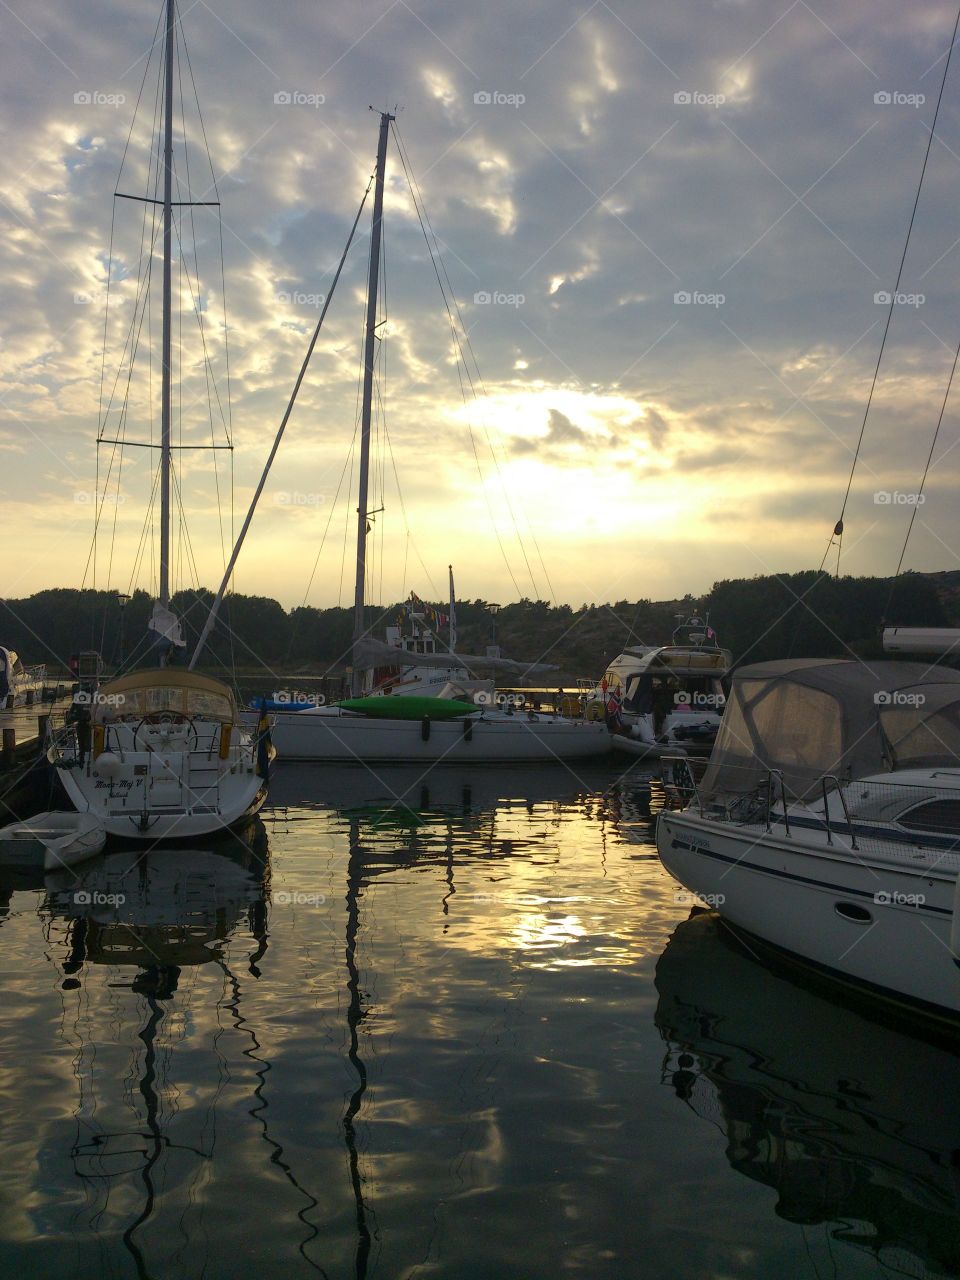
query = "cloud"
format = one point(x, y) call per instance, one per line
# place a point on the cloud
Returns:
point(582, 186)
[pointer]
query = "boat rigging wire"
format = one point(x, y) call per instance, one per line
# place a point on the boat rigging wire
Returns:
point(838, 530)
point(923, 478)
point(215, 607)
point(435, 256)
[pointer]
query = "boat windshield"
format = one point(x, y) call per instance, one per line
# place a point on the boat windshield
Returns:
point(129, 699)
point(811, 717)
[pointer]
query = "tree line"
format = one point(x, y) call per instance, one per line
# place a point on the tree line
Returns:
point(806, 614)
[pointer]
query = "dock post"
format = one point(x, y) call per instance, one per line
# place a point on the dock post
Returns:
point(9, 745)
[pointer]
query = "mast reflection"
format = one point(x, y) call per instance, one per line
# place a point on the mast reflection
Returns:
point(161, 914)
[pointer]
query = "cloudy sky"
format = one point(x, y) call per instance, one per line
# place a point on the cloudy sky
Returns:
point(666, 226)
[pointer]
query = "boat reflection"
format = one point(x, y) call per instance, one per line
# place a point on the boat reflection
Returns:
point(853, 1122)
point(162, 910)
point(161, 913)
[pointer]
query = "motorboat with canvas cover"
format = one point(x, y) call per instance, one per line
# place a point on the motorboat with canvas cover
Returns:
point(665, 699)
point(827, 822)
point(163, 756)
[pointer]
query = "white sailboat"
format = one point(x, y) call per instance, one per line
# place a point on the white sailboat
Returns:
point(390, 728)
point(161, 754)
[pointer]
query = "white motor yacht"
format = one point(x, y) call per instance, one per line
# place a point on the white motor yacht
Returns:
point(668, 698)
point(827, 823)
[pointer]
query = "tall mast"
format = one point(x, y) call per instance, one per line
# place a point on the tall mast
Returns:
point(368, 363)
point(165, 365)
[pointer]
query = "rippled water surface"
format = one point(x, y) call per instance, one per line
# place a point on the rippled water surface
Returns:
point(459, 1027)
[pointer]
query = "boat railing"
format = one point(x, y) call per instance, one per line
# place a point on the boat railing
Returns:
point(889, 819)
point(832, 778)
point(778, 774)
point(680, 781)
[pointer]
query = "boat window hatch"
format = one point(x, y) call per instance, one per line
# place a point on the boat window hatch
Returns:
point(933, 815)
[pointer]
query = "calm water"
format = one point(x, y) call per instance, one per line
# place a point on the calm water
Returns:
point(472, 1034)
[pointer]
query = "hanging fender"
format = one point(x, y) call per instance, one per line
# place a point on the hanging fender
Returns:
point(425, 728)
point(468, 730)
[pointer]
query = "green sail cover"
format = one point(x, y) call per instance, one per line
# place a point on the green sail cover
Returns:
point(401, 707)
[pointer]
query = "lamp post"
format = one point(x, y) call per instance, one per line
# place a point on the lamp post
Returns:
point(122, 600)
point(493, 650)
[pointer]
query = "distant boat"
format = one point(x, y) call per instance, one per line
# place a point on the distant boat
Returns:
point(668, 698)
point(19, 684)
point(485, 734)
point(161, 754)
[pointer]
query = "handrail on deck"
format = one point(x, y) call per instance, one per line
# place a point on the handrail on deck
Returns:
point(832, 777)
point(771, 773)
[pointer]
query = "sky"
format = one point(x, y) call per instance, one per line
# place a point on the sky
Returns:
point(670, 231)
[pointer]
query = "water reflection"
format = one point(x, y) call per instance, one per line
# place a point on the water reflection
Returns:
point(852, 1122)
point(382, 1047)
point(161, 914)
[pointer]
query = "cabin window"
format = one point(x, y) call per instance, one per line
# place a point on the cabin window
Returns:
point(933, 815)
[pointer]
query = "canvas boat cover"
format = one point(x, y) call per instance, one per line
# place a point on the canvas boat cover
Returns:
point(376, 653)
point(812, 716)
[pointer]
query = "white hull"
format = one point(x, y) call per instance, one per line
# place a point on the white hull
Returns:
point(172, 778)
point(821, 903)
point(51, 840)
point(643, 750)
point(83, 840)
point(124, 813)
point(494, 738)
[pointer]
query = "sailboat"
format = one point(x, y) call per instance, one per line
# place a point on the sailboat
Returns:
point(160, 753)
point(462, 725)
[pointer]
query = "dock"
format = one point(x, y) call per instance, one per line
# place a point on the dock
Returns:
point(24, 777)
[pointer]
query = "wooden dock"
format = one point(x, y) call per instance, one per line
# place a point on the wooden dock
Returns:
point(25, 777)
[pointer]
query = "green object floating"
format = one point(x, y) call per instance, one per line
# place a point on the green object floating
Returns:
point(399, 707)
